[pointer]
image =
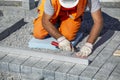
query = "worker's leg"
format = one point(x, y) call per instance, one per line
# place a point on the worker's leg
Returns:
point(39, 32)
point(69, 28)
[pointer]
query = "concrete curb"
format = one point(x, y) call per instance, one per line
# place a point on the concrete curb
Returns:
point(55, 56)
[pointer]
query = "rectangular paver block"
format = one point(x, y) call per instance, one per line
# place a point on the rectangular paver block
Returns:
point(88, 73)
point(4, 63)
point(61, 72)
point(26, 67)
point(15, 64)
point(40, 65)
point(49, 71)
point(74, 73)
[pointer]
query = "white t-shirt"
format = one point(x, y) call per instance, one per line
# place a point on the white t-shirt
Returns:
point(94, 5)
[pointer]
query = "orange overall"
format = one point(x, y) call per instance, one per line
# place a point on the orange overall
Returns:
point(70, 20)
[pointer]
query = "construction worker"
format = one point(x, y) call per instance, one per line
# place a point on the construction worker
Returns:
point(69, 14)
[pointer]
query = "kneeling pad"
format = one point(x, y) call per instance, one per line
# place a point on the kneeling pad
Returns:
point(42, 43)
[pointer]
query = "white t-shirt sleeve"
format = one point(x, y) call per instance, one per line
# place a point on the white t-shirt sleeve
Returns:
point(94, 5)
point(48, 8)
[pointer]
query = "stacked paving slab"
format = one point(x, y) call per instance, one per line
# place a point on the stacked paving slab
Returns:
point(27, 65)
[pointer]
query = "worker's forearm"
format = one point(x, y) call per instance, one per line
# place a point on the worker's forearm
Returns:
point(96, 29)
point(51, 29)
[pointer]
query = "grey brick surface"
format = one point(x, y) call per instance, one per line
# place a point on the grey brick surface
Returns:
point(106, 52)
point(4, 63)
point(89, 73)
point(101, 43)
point(14, 66)
point(15, 12)
point(40, 65)
point(28, 4)
point(61, 72)
point(101, 58)
point(30, 15)
point(10, 3)
point(2, 55)
point(115, 75)
point(74, 73)
point(114, 59)
point(26, 67)
point(105, 71)
point(113, 12)
point(49, 71)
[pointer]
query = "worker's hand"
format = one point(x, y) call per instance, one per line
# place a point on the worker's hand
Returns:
point(85, 50)
point(64, 44)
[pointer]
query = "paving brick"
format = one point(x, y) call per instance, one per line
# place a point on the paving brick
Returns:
point(88, 73)
point(30, 15)
point(49, 78)
point(40, 65)
point(114, 59)
point(15, 12)
point(101, 43)
point(28, 4)
point(114, 78)
point(5, 62)
point(10, 3)
point(61, 72)
point(26, 67)
point(49, 71)
point(2, 55)
point(115, 75)
point(105, 71)
point(106, 52)
point(14, 66)
point(31, 77)
point(74, 73)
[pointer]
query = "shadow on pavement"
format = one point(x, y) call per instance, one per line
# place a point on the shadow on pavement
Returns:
point(109, 27)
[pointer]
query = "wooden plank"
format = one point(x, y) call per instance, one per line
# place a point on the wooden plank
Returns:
point(116, 53)
point(45, 55)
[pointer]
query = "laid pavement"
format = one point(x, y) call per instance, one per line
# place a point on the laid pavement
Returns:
point(14, 66)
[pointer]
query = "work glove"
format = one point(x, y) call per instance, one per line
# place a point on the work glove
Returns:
point(64, 44)
point(85, 50)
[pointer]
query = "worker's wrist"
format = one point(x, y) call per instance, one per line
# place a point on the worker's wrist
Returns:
point(60, 39)
point(90, 45)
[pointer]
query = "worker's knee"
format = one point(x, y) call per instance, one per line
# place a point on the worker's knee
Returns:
point(39, 36)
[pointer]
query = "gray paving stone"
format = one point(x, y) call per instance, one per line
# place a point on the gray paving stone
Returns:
point(2, 55)
point(14, 66)
point(101, 43)
point(89, 73)
point(31, 77)
point(26, 67)
point(16, 12)
point(49, 71)
point(40, 65)
point(106, 52)
point(115, 75)
point(113, 12)
point(74, 73)
point(4, 63)
point(30, 15)
point(49, 78)
point(114, 59)
point(10, 3)
point(114, 78)
point(105, 71)
point(28, 4)
point(61, 72)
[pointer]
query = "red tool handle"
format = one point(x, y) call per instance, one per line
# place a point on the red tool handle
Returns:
point(54, 43)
